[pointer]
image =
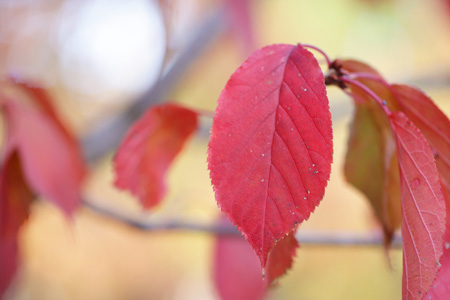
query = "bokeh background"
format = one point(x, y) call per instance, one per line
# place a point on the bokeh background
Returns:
point(98, 57)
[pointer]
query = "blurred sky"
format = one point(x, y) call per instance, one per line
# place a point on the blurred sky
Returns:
point(97, 56)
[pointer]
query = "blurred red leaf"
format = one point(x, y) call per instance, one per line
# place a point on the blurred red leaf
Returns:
point(281, 257)
point(41, 156)
point(43, 100)
point(240, 20)
point(149, 148)
point(8, 262)
point(423, 208)
point(15, 199)
point(50, 164)
point(237, 272)
point(270, 151)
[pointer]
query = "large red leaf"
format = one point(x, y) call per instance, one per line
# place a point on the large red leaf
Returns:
point(433, 124)
point(270, 151)
point(15, 199)
point(423, 208)
point(237, 272)
point(50, 165)
point(149, 148)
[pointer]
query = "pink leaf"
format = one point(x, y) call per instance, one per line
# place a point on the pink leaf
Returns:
point(149, 148)
point(271, 144)
point(237, 272)
point(239, 17)
point(41, 97)
point(423, 208)
point(50, 164)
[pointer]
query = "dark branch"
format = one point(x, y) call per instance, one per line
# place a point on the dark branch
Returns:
point(304, 238)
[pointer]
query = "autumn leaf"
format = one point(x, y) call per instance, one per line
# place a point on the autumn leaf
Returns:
point(237, 272)
point(423, 208)
point(240, 21)
point(432, 123)
point(15, 199)
point(149, 148)
point(43, 100)
point(270, 150)
point(420, 264)
point(9, 262)
point(371, 147)
point(15, 196)
point(441, 286)
point(40, 157)
point(50, 165)
point(281, 257)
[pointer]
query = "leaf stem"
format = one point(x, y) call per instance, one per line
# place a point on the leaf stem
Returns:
point(318, 50)
point(368, 91)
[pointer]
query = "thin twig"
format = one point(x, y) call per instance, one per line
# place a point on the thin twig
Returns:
point(109, 133)
point(305, 238)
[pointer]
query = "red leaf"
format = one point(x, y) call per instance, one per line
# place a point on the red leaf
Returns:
point(270, 151)
point(423, 208)
point(433, 124)
point(15, 199)
point(239, 17)
point(281, 257)
point(8, 262)
point(149, 148)
point(237, 272)
point(441, 286)
point(50, 164)
point(42, 98)
point(372, 147)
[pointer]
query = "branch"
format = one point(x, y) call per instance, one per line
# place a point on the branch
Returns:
point(305, 238)
point(109, 133)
